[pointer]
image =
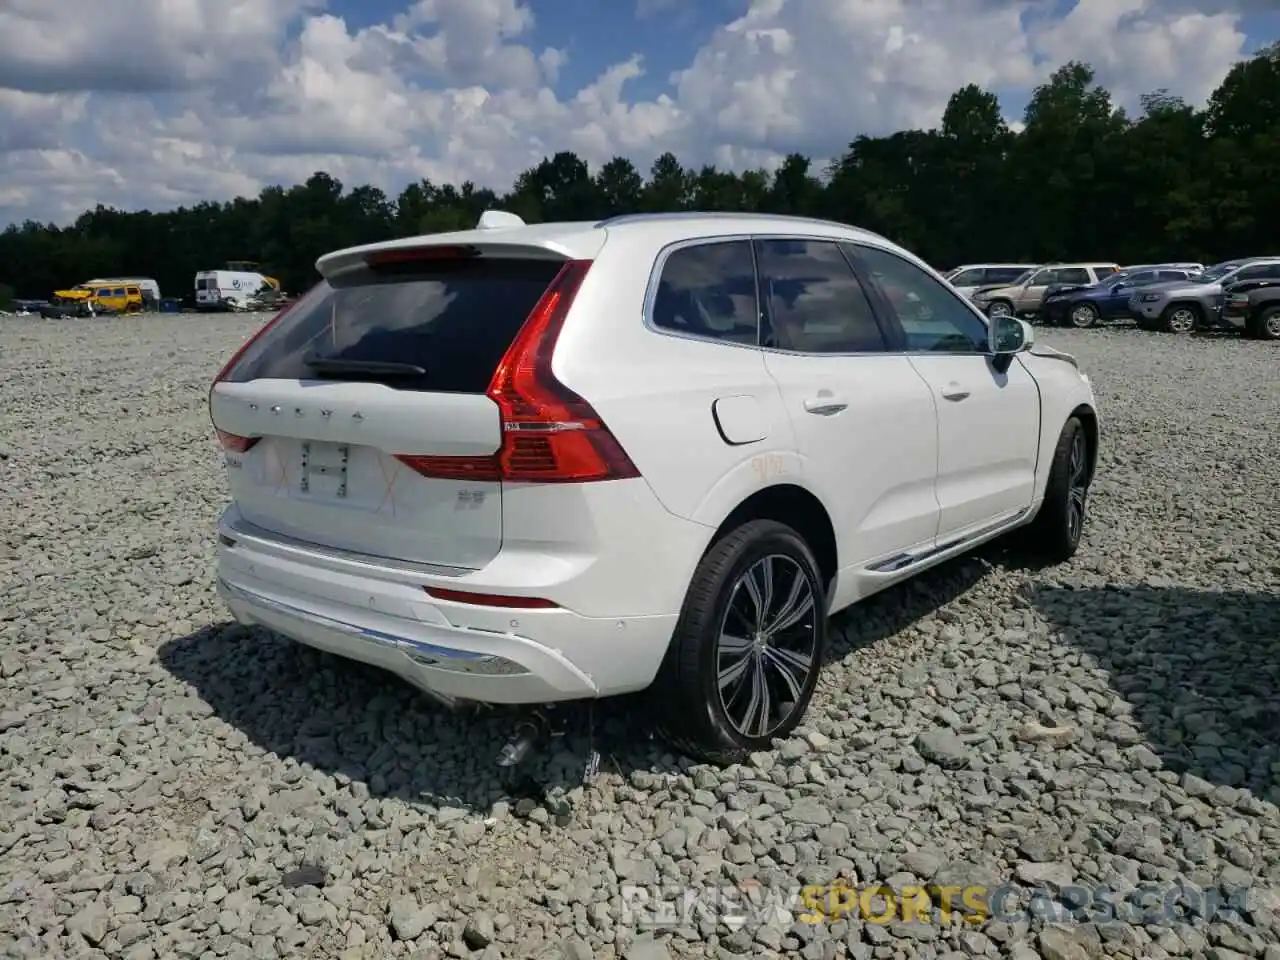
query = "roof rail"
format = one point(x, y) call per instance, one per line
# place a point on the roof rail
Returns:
point(498, 220)
point(715, 214)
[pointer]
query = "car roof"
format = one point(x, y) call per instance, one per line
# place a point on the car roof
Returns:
point(584, 238)
point(980, 266)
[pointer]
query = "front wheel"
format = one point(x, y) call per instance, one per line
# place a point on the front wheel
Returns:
point(1180, 318)
point(1266, 325)
point(999, 308)
point(748, 647)
point(1084, 316)
point(1055, 533)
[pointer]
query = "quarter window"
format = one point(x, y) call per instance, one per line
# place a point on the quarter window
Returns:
point(709, 290)
point(933, 317)
point(815, 302)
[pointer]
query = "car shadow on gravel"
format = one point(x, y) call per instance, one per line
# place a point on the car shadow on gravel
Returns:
point(1201, 670)
point(362, 724)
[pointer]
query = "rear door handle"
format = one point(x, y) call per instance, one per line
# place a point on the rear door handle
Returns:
point(953, 391)
point(824, 406)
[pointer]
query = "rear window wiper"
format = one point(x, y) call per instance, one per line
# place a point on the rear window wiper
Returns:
point(375, 368)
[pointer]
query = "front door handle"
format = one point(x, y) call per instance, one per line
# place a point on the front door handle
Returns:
point(953, 391)
point(824, 406)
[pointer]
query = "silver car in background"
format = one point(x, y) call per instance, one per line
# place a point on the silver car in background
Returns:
point(1187, 305)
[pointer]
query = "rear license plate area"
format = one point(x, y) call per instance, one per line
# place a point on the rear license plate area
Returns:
point(324, 469)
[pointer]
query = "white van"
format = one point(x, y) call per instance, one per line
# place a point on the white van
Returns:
point(227, 289)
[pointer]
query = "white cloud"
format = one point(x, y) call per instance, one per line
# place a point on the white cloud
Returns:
point(225, 96)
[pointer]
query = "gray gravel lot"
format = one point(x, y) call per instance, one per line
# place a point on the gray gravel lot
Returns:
point(164, 775)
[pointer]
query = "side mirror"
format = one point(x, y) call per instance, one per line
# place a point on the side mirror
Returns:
point(1006, 336)
point(1118, 286)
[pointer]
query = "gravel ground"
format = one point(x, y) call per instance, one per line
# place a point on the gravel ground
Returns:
point(172, 785)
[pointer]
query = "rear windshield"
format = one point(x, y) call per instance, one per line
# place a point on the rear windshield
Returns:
point(453, 319)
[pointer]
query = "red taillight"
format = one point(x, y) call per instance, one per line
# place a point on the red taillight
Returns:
point(418, 254)
point(490, 599)
point(549, 433)
point(232, 443)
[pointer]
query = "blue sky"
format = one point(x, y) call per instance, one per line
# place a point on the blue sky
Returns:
point(244, 93)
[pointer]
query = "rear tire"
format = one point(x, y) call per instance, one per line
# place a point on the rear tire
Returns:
point(1054, 536)
point(754, 622)
point(1265, 325)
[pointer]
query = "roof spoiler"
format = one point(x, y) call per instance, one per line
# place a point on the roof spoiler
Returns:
point(498, 220)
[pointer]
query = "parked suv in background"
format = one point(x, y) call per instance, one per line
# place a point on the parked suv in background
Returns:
point(1184, 306)
point(1025, 298)
point(528, 464)
point(973, 276)
point(1104, 302)
point(1252, 306)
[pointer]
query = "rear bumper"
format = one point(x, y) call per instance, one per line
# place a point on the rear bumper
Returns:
point(382, 616)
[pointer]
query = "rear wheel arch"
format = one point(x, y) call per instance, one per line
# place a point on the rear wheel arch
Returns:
point(795, 507)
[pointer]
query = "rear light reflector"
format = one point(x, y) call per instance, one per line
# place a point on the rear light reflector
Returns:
point(481, 469)
point(549, 433)
point(490, 599)
point(234, 444)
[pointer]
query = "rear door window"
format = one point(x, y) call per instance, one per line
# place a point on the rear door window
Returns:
point(708, 291)
point(1073, 275)
point(453, 319)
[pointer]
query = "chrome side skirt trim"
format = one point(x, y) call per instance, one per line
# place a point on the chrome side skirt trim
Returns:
point(904, 561)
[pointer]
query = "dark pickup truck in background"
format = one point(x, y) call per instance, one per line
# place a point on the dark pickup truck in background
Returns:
point(1252, 306)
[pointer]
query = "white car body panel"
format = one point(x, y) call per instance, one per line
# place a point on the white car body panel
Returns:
point(908, 476)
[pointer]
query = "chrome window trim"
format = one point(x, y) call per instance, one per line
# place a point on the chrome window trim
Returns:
point(665, 252)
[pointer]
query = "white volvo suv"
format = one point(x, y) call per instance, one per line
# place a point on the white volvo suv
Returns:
point(538, 463)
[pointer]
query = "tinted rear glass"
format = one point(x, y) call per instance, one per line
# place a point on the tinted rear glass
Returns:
point(453, 319)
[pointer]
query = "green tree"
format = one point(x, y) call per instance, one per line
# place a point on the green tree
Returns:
point(1080, 181)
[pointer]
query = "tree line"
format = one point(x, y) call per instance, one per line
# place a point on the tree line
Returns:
point(1082, 180)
